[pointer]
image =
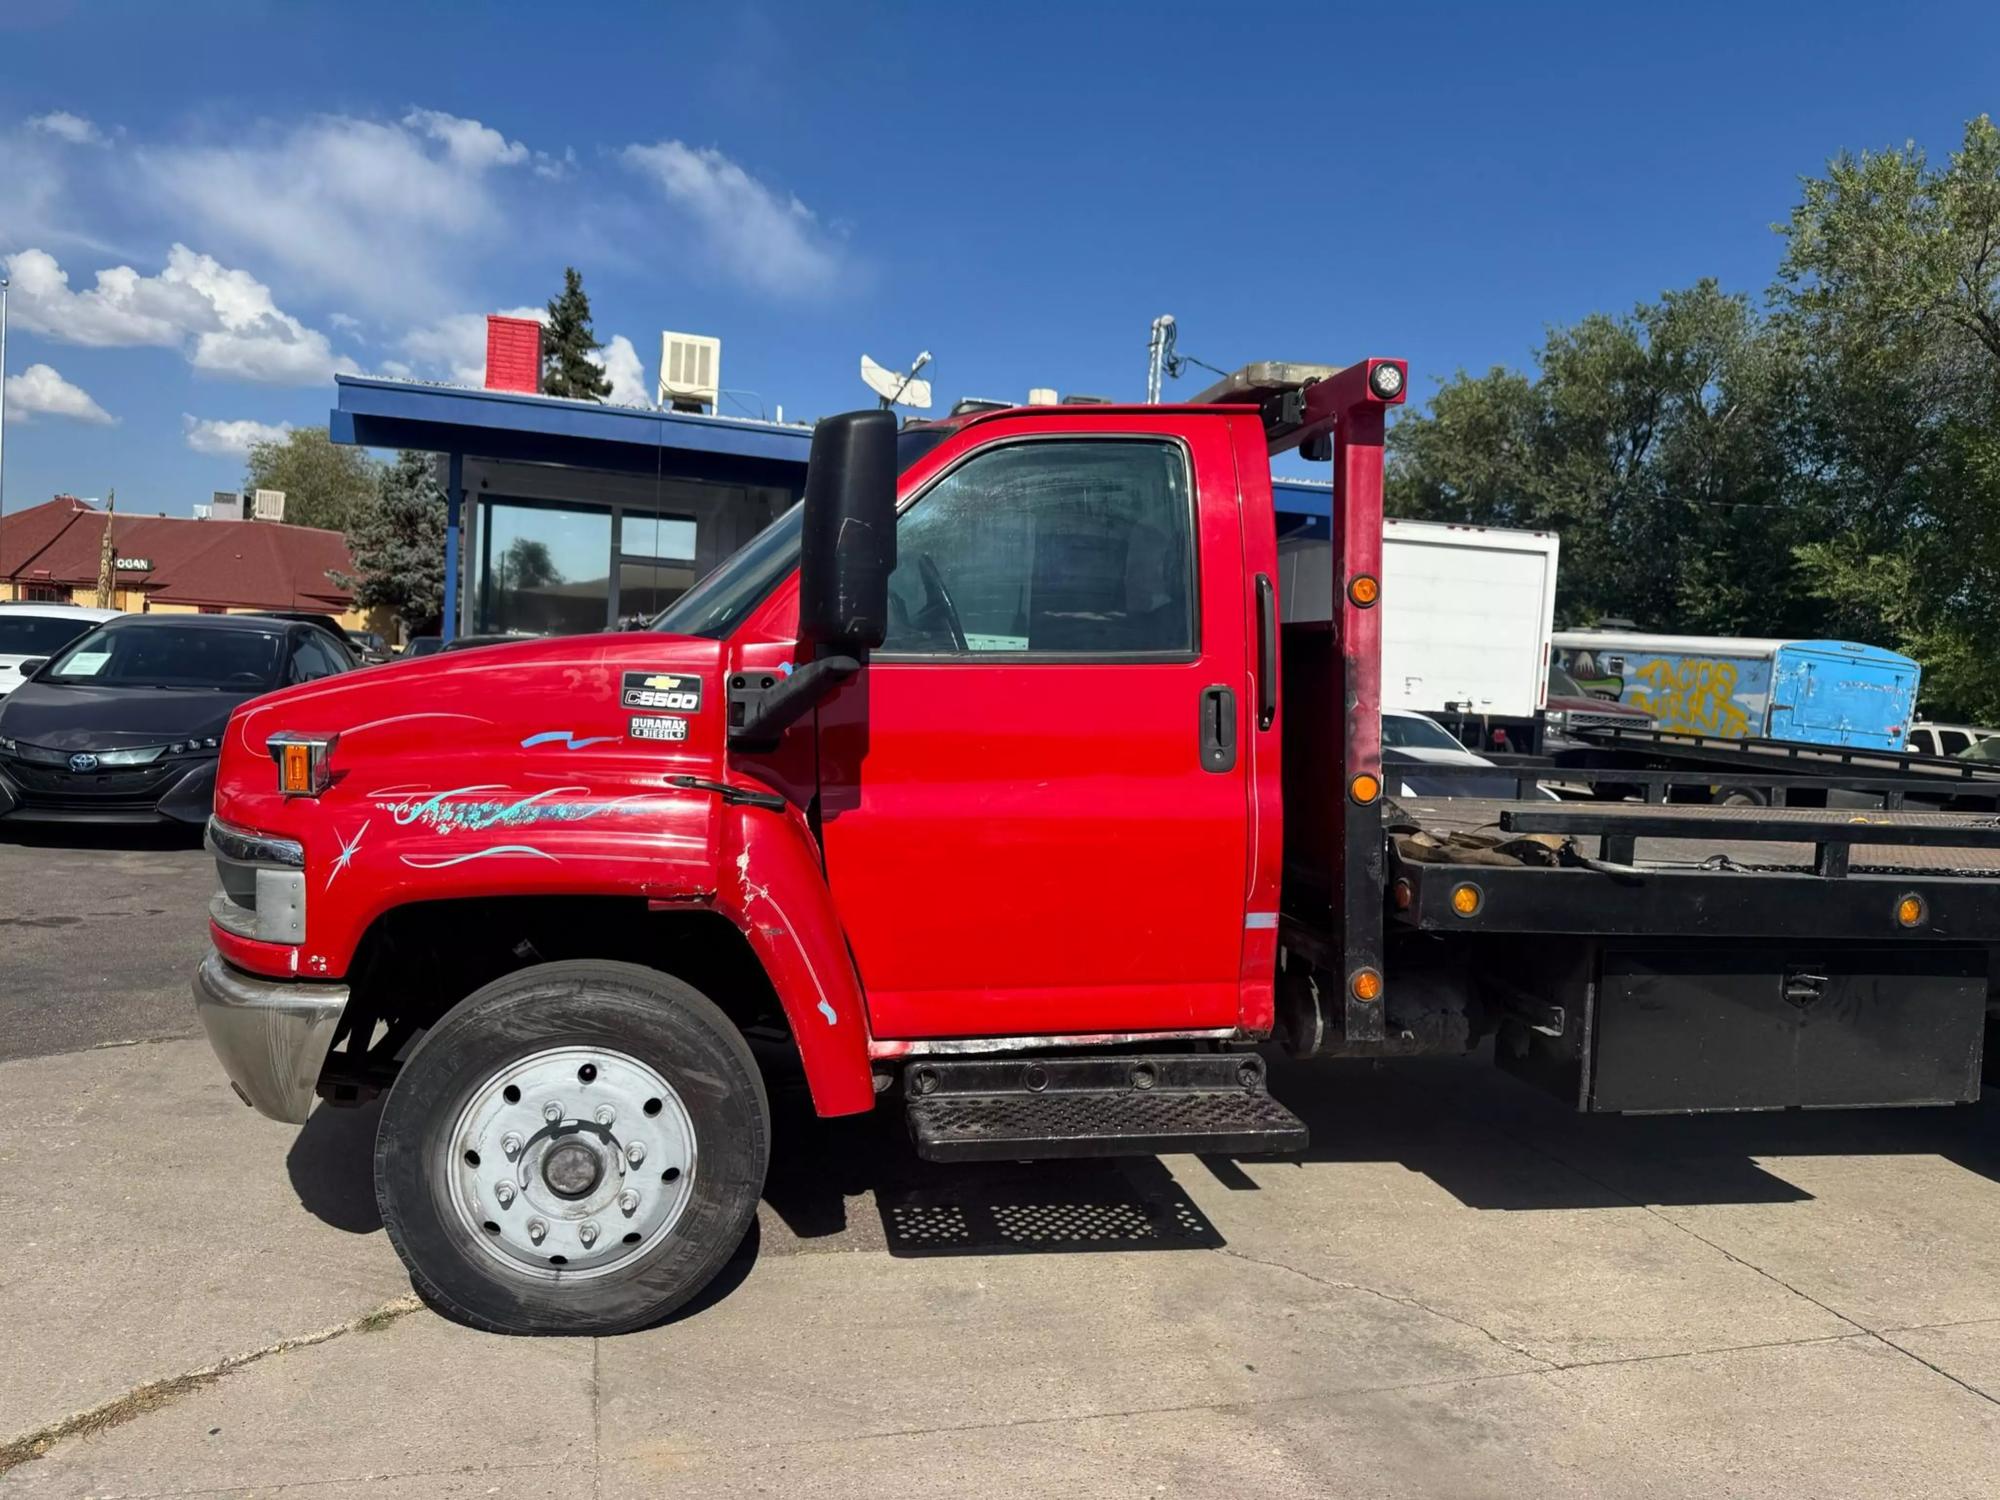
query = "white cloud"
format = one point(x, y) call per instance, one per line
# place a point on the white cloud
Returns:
point(230, 439)
point(65, 126)
point(467, 142)
point(348, 325)
point(620, 361)
point(123, 309)
point(383, 216)
point(454, 348)
point(768, 240)
point(555, 168)
point(224, 319)
point(40, 391)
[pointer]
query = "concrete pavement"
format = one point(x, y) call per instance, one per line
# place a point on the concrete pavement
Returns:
point(1462, 1290)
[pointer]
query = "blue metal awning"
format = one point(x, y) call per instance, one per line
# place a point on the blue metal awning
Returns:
point(377, 413)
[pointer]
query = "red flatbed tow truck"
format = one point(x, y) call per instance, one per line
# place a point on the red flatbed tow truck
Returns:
point(985, 778)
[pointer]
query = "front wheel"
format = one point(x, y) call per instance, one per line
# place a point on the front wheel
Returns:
point(576, 1148)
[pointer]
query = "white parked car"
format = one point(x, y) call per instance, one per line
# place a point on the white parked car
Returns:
point(1412, 741)
point(35, 632)
point(1927, 738)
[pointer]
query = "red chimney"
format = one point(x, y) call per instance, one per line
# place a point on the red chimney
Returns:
point(513, 354)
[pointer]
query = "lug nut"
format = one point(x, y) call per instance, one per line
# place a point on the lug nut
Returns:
point(587, 1232)
point(504, 1192)
point(536, 1229)
point(606, 1114)
point(629, 1201)
point(511, 1144)
point(635, 1153)
point(552, 1112)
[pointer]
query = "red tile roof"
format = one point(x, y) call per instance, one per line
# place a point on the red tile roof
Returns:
point(238, 564)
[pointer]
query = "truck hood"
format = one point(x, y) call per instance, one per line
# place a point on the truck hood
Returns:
point(477, 772)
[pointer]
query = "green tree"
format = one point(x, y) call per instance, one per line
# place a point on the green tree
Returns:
point(326, 484)
point(1646, 442)
point(1890, 287)
point(567, 344)
point(398, 545)
point(525, 564)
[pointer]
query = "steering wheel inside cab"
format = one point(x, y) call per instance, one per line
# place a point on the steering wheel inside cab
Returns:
point(928, 623)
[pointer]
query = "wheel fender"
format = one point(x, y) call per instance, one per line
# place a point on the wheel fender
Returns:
point(775, 891)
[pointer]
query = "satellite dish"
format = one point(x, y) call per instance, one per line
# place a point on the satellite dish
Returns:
point(896, 388)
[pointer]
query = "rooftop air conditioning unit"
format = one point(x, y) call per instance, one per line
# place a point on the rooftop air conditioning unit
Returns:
point(225, 505)
point(690, 371)
point(270, 505)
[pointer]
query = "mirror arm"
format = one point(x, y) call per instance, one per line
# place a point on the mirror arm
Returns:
point(774, 711)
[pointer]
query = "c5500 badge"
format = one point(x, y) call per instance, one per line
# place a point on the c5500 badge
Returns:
point(679, 692)
point(647, 727)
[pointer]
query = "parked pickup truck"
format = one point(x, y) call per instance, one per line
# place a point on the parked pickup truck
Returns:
point(988, 778)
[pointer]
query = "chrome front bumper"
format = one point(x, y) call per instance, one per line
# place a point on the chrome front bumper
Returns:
point(271, 1035)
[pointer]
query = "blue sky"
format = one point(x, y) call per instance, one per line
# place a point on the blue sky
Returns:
point(1018, 189)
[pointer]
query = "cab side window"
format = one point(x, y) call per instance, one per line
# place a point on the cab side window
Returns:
point(1060, 548)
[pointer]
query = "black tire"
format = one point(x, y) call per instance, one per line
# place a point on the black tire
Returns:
point(645, 1014)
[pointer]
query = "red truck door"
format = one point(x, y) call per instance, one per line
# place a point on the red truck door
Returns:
point(1036, 821)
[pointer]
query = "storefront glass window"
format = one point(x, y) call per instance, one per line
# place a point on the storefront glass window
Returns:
point(545, 571)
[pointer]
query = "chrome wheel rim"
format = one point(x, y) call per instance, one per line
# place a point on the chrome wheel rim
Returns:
point(571, 1163)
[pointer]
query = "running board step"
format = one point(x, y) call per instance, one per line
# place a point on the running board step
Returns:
point(1023, 1109)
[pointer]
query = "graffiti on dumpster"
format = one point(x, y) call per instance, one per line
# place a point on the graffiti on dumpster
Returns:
point(1723, 696)
point(1700, 695)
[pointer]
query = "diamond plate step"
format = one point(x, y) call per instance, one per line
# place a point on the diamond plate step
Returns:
point(1024, 1109)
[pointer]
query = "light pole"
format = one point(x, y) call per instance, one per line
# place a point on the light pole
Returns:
point(3, 396)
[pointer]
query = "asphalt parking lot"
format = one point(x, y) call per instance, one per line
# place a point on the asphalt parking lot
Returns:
point(1462, 1290)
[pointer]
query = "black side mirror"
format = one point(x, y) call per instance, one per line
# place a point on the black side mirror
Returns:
point(848, 542)
point(31, 666)
point(847, 552)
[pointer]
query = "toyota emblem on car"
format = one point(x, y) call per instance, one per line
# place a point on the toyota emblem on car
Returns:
point(82, 763)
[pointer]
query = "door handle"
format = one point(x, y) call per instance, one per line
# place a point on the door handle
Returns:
point(1267, 651)
point(1218, 729)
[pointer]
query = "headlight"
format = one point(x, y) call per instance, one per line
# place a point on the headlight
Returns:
point(1556, 719)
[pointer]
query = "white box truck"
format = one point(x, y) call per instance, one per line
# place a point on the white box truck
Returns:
point(1467, 613)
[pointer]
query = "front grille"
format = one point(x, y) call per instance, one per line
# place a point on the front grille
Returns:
point(125, 786)
point(1607, 721)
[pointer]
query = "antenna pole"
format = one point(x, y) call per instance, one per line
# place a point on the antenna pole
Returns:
point(1159, 351)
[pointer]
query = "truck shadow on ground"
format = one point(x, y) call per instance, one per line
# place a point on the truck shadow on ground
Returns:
point(1497, 1143)
point(1490, 1141)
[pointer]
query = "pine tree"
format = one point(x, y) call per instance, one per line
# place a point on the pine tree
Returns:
point(398, 545)
point(567, 344)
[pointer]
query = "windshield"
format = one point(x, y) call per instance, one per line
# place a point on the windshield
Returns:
point(1565, 686)
point(723, 600)
point(38, 635)
point(1986, 749)
point(1415, 732)
point(159, 655)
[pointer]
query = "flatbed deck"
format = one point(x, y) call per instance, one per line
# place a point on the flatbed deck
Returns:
point(1745, 836)
point(1622, 870)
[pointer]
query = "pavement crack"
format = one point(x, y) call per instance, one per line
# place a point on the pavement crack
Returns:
point(155, 1394)
point(1399, 1299)
point(1937, 1369)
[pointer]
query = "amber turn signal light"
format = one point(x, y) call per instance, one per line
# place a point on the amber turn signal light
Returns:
point(1467, 899)
point(1364, 788)
point(302, 763)
point(1364, 590)
point(1366, 984)
point(1911, 911)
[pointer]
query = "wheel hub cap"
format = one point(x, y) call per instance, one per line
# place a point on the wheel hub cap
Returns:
point(571, 1169)
point(571, 1162)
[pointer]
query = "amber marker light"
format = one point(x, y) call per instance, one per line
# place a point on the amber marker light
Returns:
point(1910, 911)
point(1366, 984)
point(1364, 788)
point(1467, 899)
point(1364, 590)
